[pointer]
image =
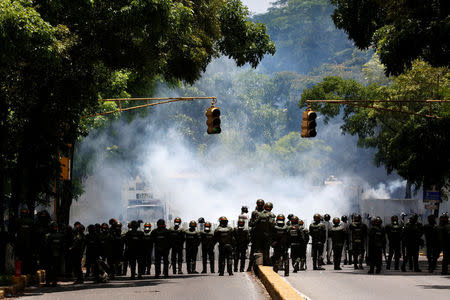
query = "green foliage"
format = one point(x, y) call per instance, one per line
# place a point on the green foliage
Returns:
point(58, 57)
point(413, 146)
point(400, 31)
point(305, 36)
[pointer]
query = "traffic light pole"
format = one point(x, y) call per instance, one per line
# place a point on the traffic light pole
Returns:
point(148, 104)
point(365, 104)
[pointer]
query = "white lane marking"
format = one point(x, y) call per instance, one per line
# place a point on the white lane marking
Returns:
point(252, 285)
point(297, 291)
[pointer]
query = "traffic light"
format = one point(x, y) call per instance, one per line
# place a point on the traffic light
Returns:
point(309, 124)
point(213, 120)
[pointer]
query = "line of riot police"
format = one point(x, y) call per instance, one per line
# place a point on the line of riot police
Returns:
point(108, 251)
point(357, 242)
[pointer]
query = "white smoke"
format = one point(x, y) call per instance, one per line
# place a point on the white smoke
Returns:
point(218, 179)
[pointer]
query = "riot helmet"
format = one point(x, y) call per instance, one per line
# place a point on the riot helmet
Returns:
point(280, 219)
point(260, 203)
point(268, 206)
point(336, 221)
point(443, 219)
point(326, 217)
point(317, 217)
point(241, 223)
point(377, 221)
point(161, 223)
point(177, 221)
point(294, 220)
point(300, 222)
point(147, 227)
point(223, 221)
point(207, 227)
point(192, 224)
point(134, 225)
point(105, 227)
point(357, 218)
point(394, 219)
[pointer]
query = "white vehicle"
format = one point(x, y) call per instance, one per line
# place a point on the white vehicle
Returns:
point(141, 203)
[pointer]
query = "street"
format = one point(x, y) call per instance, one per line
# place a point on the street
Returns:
point(198, 286)
point(357, 284)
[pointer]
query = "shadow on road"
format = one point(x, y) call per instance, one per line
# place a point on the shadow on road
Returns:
point(437, 287)
point(117, 283)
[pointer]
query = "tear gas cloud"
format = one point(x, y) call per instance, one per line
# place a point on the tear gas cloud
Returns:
point(219, 180)
point(216, 183)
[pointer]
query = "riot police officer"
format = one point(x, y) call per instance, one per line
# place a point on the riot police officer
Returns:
point(394, 236)
point(328, 243)
point(92, 252)
point(377, 242)
point(242, 237)
point(77, 250)
point(244, 215)
point(117, 244)
point(431, 238)
point(258, 210)
point(412, 236)
point(54, 244)
point(317, 231)
point(134, 249)
point(160, 237)
point(298, 239)
point(24, 239)
point(148, 248)
point(262, 232)
point(104, 239)
point(224, 237)
point(192, 243)
point(268, 206)
point(289, 217)
point(41, 228)
point(208, 243)
point(177, 238)
point(359, 236)
point(444, 241)
point(280, 245)
point(338, 238)
point(346, 249)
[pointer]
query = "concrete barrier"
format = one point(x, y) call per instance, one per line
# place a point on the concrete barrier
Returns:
point(19, 283)
point(276, 286)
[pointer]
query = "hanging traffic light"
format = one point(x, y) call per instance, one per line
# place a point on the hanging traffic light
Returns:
point(309, 124)
point(213, 120)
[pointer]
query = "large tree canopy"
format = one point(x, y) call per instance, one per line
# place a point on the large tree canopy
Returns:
point(413, 146)
point(58, 57)
point(400, 31)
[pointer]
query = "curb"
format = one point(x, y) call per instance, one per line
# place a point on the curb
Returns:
point(276, 286)
point(20, 283)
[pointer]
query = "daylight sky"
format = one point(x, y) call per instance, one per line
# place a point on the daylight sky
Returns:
point(257, 6)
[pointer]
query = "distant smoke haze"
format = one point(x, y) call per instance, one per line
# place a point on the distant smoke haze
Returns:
point(219, 180)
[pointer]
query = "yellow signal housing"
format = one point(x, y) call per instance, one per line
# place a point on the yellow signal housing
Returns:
point(213, 120)
point(309, 124)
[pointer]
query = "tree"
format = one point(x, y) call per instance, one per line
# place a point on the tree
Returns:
point(57, 57)
point(305, 36)
point(411, 145)
point(400, 31)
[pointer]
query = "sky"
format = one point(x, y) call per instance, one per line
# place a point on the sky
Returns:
point(257, 6)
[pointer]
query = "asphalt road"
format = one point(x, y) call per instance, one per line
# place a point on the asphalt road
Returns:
point(196, 287)
point(351, 284)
